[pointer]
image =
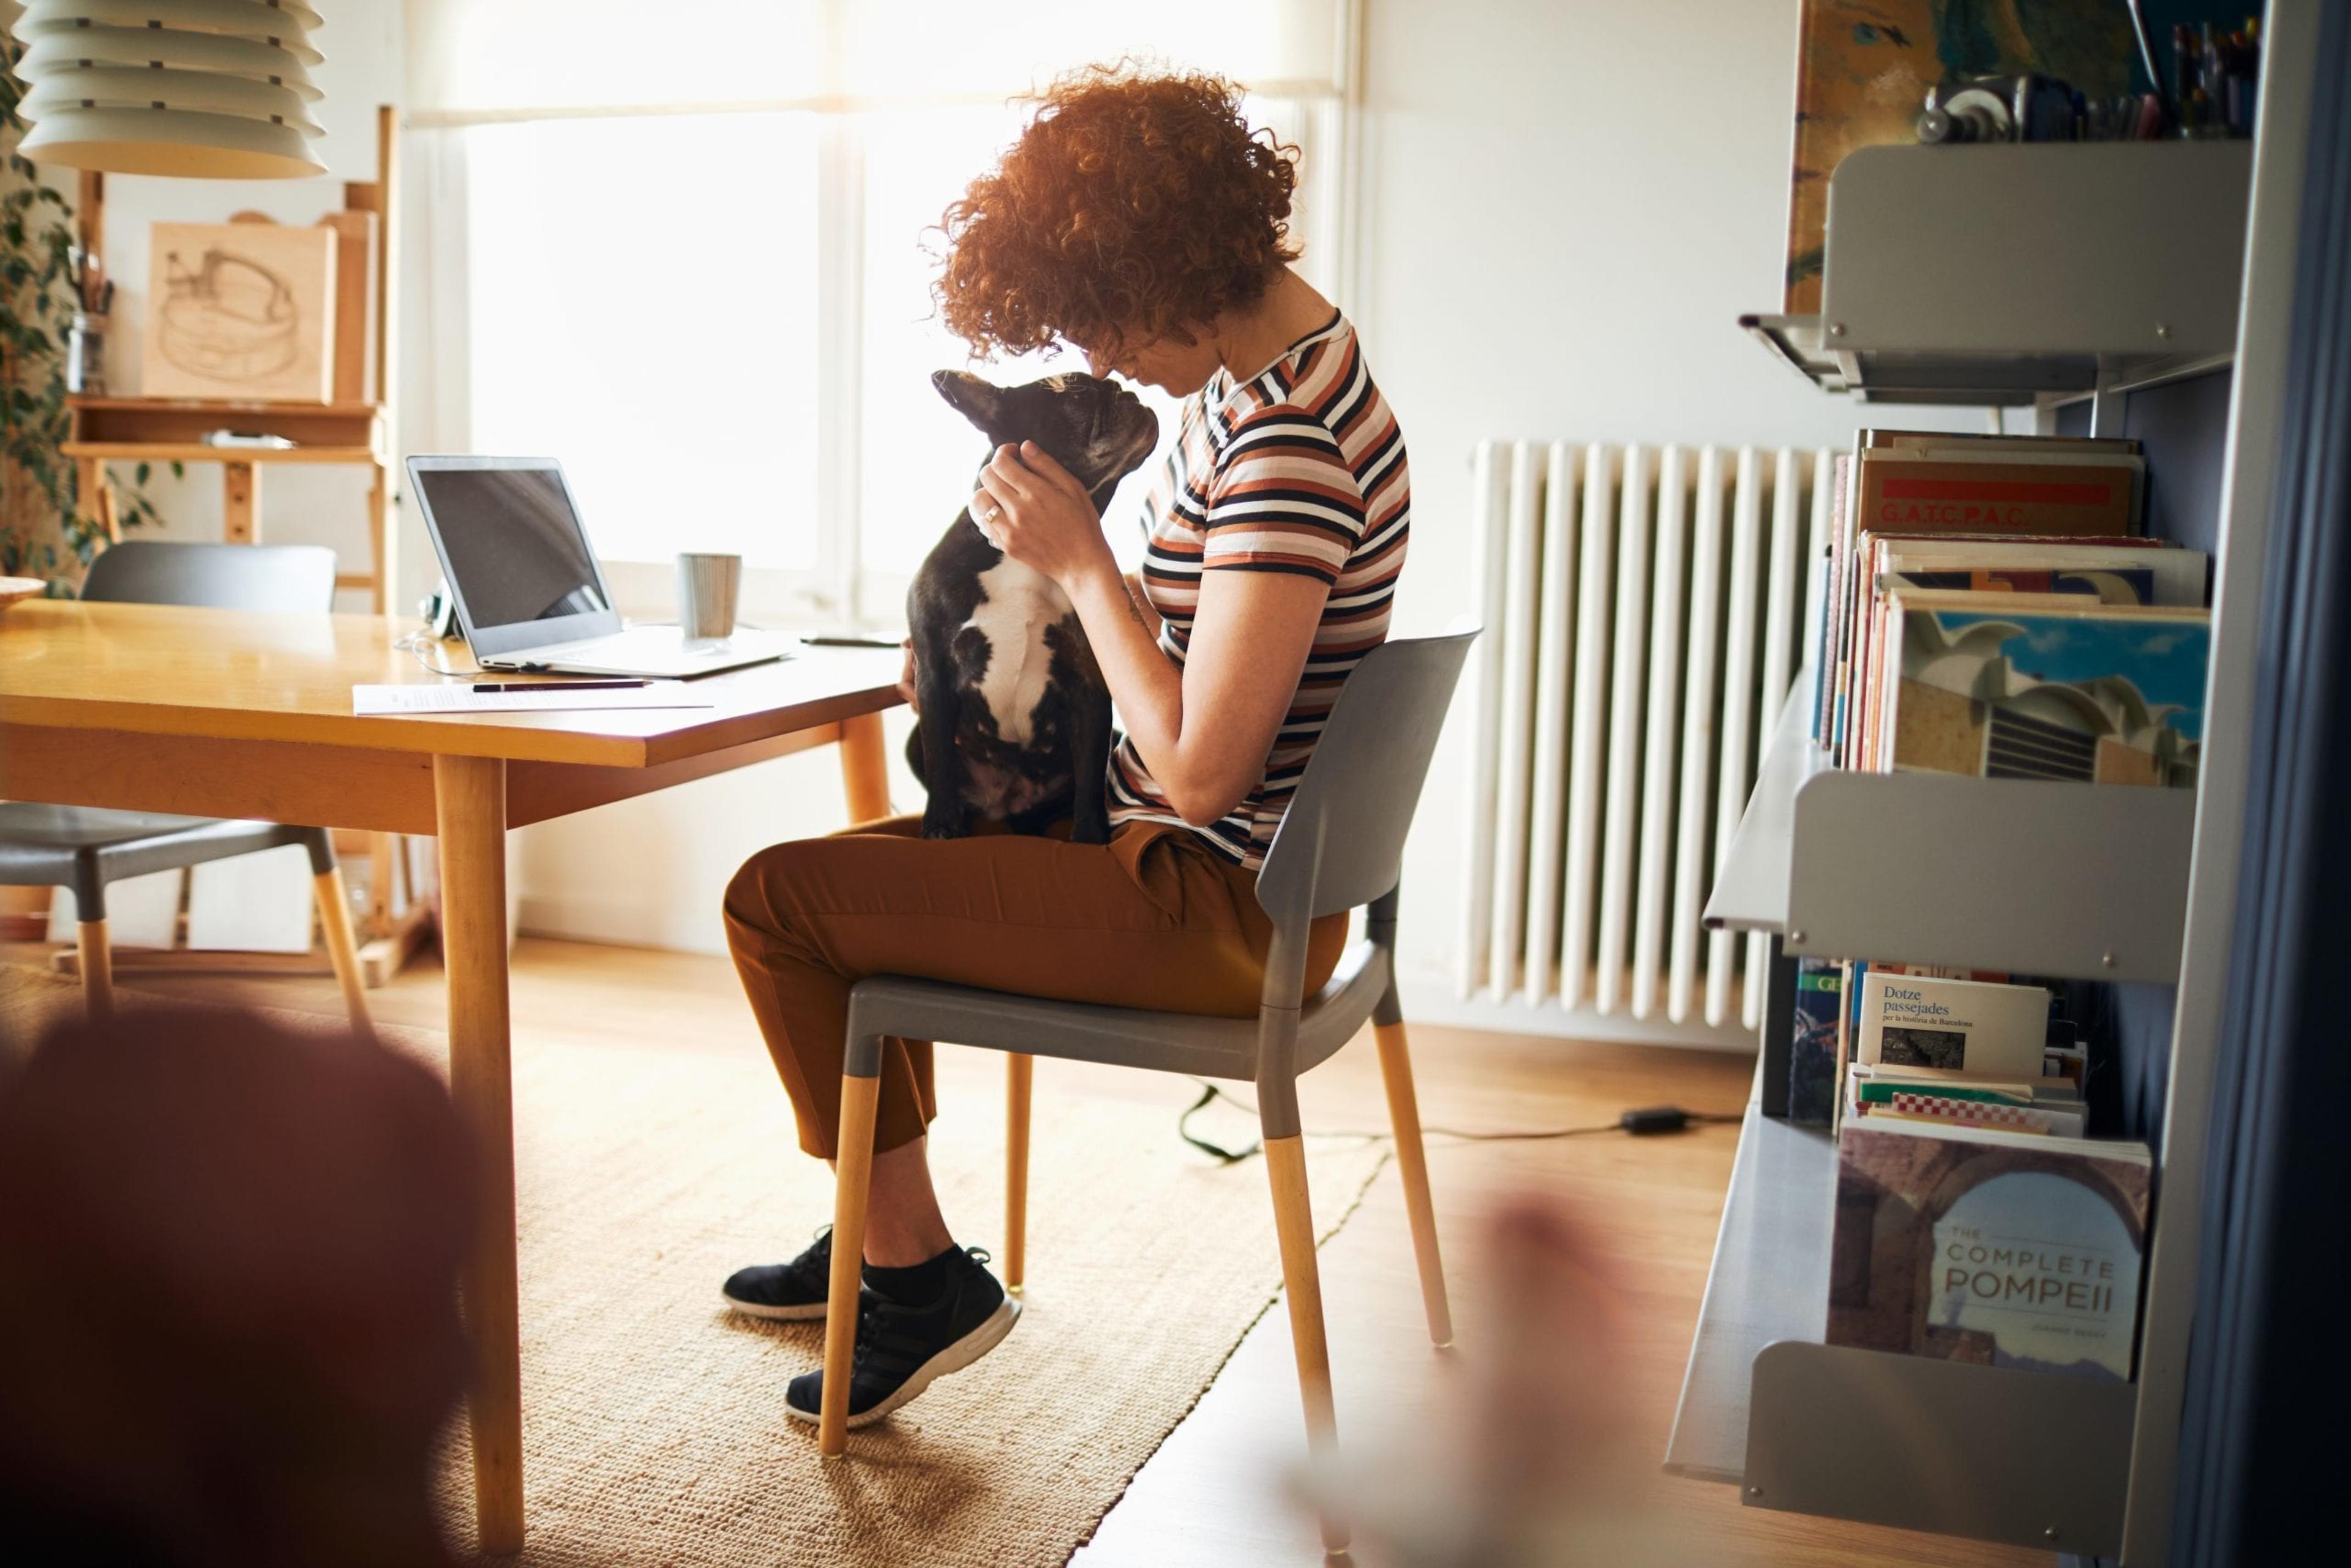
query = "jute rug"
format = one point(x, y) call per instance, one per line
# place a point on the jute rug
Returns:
point(654, 1431)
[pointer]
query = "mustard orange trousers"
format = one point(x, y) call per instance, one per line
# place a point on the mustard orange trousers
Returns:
point(1154, 919)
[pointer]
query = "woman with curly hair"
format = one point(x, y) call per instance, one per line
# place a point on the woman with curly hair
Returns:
point(1140, 220)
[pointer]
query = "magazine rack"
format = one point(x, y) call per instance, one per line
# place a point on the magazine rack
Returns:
point(2125, 278)
point(2076, 881)
point(2034, 1458)
point(2029, 1458)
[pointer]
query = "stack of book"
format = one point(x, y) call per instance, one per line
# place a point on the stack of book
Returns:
point(1974, 1219)
point(1991, 610)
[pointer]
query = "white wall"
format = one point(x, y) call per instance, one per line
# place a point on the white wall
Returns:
point(1570, 206)
point(300, 504)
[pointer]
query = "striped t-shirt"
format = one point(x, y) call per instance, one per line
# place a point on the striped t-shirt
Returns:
point(1300, 469)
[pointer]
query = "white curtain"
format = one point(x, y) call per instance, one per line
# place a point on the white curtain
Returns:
point(476, 60)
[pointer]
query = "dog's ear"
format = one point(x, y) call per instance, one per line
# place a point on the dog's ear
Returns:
point(977, 400)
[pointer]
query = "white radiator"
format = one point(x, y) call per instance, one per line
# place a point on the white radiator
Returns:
point(1643, 608)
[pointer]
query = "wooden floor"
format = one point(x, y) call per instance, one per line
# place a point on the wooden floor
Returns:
point(1213, 1493)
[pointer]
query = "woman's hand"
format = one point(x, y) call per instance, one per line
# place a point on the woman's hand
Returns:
point(1040, 516)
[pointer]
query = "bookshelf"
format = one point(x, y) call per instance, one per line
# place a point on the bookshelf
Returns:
point(2137, 290)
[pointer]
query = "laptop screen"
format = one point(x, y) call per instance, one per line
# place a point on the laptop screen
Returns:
point(513, 546)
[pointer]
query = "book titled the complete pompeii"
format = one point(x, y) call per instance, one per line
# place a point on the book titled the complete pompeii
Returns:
point(1995, 1247)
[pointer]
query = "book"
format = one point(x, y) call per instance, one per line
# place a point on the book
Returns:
point(2038, 686)
point(2013, 1106)
point(1813, 1045)
point(1873, 1090)
point(2174, 576)
point(2013, 481)
point(2025, 1089)
point(2044, 1121)
point(1844, 602)
point(1780, 1022)
point(1998, 1248)
point(1911, 1020)
point(1978, 523)
point(2113, 572)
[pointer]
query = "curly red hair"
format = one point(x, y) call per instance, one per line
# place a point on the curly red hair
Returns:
point(1135, 207)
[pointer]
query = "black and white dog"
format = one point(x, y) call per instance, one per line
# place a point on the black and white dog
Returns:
point(1015, 719)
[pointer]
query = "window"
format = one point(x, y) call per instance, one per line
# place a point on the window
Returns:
point(723, 324)
point(646, 311)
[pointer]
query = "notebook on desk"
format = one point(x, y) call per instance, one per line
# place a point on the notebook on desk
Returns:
point(528, 592)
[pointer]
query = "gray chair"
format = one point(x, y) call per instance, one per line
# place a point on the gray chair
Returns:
point(86, 848)
point(1340, 846)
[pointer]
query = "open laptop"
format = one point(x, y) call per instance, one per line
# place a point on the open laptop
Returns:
point(527, 588)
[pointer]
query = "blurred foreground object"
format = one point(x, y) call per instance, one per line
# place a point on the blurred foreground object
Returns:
point(1527, 1462)
point(228, 1331)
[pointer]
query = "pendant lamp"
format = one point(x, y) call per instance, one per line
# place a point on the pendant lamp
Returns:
point(215, 89)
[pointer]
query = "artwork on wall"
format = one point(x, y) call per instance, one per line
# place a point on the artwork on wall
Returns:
point(243, 310)
point(1863, 68)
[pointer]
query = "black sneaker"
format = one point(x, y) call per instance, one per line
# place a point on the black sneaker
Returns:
point(795, 1289)
point(903, 1344)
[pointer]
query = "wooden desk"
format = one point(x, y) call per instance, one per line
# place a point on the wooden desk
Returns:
point(219, 714)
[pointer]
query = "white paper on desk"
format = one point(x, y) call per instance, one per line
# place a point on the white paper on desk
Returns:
point(370, 701)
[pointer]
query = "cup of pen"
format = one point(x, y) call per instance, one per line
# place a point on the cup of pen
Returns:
point(707, 587)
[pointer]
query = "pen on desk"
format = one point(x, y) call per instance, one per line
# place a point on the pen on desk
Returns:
point(851, 642)
point(555, 685)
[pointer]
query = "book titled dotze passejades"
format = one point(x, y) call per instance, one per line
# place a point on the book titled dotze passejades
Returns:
point(1961, 1025)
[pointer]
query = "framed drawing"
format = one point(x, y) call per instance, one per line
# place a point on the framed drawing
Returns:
point(243, 311)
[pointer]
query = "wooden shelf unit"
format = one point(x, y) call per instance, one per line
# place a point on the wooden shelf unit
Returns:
point(354, 429)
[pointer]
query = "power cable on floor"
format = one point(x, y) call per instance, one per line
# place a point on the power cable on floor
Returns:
point(1645, 1121)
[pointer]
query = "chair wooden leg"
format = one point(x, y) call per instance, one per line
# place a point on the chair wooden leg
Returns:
point(1412, 1163)
point(343, 946)
point(1020, 1073)
point(1293, 1221)
point(97, 970)
point(852, 1179)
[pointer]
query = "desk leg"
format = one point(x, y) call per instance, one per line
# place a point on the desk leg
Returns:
point(864, 767)
point(470, 795)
